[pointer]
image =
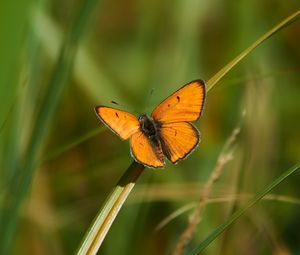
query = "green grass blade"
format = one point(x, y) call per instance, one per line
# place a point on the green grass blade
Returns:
point(289, 20)
point(66, 147)
point(13, 22)
point(240, 212)
point(19, 190)
point(101, 224)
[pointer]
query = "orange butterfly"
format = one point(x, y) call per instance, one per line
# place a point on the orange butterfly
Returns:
point(167, 132)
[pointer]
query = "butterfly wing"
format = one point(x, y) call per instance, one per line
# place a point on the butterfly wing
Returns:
point(178, 137)
point(124, 124)
point(185, 104)
point(146, 152)
point(178, 140)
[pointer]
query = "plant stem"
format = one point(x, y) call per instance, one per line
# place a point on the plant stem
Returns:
point(107, 214)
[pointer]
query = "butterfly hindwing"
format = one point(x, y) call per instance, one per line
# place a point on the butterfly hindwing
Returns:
point(146, 151)
point(185, 104)
point(178, 140)
point(120, 122)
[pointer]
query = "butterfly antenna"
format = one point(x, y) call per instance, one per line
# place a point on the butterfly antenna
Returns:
point(147, 105)
point(118, 104)
point(125, 106)
point(151, 91)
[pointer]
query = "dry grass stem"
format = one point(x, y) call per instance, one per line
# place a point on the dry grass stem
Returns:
point(174, 215)
point(227, 198)
point(225, 156)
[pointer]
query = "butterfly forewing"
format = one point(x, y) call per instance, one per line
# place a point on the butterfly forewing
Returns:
point(178, 140)
point(185, 104)
point(146, 152)
point(120, 122)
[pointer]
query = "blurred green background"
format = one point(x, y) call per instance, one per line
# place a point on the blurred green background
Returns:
point(58, 163)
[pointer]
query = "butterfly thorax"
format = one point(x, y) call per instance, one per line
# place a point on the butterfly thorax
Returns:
point(149, 126)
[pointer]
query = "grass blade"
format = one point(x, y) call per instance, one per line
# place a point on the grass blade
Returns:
point(101, 224)
point(240, 212)
point(219, 75)
point(68, 146)
point(17, 192)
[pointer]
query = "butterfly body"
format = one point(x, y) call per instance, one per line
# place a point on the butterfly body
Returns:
point(167, 132)
point(149, 126)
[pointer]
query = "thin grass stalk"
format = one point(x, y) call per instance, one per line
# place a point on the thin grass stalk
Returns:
point(270, 197)
point(70, 145)
point(219, 75)
point(225, 157)
point(217, 231)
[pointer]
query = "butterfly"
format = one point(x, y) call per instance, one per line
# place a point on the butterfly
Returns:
point(167, 132)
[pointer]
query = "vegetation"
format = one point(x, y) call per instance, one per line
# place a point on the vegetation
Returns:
point(58, 163)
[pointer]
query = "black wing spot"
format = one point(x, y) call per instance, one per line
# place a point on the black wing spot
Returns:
point(117, 115)
point(178, 98)
point(169, 105)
